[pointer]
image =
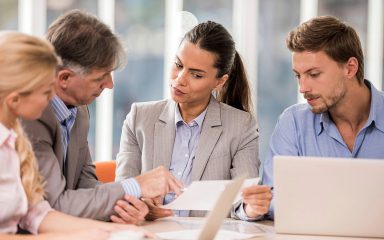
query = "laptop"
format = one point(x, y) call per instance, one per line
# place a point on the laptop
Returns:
point(214, 218)
point(329, 196)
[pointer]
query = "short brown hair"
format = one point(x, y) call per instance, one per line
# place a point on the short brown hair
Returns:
point(326, 33)
point(82, 39)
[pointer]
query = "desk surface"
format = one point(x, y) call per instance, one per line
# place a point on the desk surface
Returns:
point(263, 229)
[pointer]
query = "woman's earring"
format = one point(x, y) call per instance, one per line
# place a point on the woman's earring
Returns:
point(214, 92)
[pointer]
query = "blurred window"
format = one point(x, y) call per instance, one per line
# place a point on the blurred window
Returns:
point(8, 15)
point(140, 24)
point(277, 87)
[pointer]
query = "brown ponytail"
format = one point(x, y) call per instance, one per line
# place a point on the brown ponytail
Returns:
point(214, 38)
point(236, 91)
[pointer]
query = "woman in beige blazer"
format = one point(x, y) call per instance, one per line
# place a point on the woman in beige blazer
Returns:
point(195, 135)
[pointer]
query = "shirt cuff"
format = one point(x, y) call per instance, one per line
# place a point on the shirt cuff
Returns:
point(240, 213)
point(131, 187)
point(271, 214)
point(35, 215)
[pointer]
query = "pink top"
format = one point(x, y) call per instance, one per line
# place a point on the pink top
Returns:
point(14, 207)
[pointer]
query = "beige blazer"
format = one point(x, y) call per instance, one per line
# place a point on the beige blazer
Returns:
point(228, 144)
point(75, 191)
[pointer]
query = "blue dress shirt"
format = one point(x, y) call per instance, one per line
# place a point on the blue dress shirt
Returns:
point(66, 116)
point(184, 148)
point(300, 132)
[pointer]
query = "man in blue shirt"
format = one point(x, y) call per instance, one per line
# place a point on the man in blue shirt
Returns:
point(344, 113)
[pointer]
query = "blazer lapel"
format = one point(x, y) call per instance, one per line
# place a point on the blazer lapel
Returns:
point(72, 154)
point(49, 118)
point(164, 136)
point(210, 134)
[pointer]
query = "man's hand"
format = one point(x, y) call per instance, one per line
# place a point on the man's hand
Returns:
point(130, 210)
point(157, 183)
point(156, 212)
point(257, 200)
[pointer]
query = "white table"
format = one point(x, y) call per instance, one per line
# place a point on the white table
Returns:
point(264, 229)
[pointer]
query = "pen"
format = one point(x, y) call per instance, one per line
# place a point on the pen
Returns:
point(181, 190)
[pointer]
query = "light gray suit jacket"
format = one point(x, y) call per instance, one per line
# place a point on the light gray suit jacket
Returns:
point(228, 144)
point(75, 191)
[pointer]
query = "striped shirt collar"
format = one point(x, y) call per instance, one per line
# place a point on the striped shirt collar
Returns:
point(375, 114)
point(62, 112)
point(199, 119)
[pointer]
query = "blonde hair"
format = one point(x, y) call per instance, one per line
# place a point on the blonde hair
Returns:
point(26, 62)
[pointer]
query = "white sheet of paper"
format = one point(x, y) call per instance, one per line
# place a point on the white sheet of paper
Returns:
point(247, 183)
point(202, 195)
point(193, 234)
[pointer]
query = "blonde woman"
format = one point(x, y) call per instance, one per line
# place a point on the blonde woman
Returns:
point(27, 68)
